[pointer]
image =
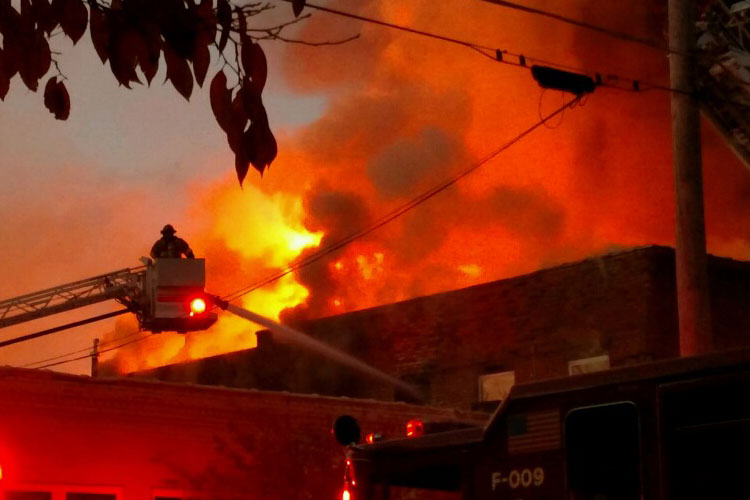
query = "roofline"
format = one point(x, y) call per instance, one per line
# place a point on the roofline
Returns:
point(30, 374)
point(655, 370)
point(642, 371)
point(543, 270)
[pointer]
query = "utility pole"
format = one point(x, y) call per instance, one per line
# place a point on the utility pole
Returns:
point(95, 359)
point(690, 236)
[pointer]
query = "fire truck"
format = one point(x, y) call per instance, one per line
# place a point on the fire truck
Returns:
point(676, 429)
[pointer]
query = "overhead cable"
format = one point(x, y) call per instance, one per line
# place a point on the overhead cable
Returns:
point(56, 329)
point(93, 354)
point(87, 349)
point(589, 26)
point(507, 57)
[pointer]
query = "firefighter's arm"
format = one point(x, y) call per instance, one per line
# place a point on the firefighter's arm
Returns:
point(186, 249)
point(155, 250)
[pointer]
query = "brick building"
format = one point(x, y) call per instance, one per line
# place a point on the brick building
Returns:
point(66, 437)
point(464, 347)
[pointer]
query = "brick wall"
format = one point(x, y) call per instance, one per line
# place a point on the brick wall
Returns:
point(621, 304)
point(139, 437)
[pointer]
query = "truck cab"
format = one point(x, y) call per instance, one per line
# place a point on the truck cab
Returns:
point(675, 429)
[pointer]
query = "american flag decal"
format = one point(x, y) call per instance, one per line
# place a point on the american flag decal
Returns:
point(534, 431)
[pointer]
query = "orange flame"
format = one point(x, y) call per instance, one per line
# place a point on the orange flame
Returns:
point(266, 236)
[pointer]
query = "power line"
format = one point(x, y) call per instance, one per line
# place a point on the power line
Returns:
point(87, 349)
point(56, 329)
point(583, 24)
point(400, 210)
point(501, 55)
point(92, 355)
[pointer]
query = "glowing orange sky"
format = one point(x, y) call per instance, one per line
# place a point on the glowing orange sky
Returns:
point(401, 113)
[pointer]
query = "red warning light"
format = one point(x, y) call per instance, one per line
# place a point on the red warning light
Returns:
point(197, 306)
point(345, 495)
point(414, 428)
point(373, 437)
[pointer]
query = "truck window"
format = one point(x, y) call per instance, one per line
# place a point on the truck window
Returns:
point(27, 495)
point(603, 452)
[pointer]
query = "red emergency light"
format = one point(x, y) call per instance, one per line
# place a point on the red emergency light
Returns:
point(197, 306)
point(414, 428)
point(373, 437)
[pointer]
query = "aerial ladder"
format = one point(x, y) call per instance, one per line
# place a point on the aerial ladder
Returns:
point(164, 294)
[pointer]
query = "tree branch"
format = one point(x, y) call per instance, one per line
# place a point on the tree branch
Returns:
point(276, 36)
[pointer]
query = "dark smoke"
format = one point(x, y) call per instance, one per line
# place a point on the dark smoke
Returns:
point(338, 214)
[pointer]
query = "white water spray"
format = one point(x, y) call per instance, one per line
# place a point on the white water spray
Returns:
point(295, 336)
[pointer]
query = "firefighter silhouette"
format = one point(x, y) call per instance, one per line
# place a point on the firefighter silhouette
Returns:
point(170, 246)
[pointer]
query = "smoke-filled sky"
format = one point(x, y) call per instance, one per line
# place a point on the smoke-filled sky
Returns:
point(362, 128)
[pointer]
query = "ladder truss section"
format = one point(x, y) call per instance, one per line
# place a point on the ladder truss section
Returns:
point(125, 285)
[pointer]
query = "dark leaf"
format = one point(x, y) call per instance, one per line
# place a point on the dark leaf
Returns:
point(258, 147)
point(49, 94)
point(74, 19)
point(207, 20)
point(237, 123)
point(4, 80)
point(239, 117)
point(12, 56)
point(56, 99)
point(297, 6)
point(40, 55)
point(221, 101)
point(136, 52)
point(65, 102)
point(263, 146)
point(9, 18)
point(36, 60)
point(234, 139)
point(100, 33)
point(255, 64)
point(43, 15)
point(201, 57)
point(27, 14)
point(180, 28)
point(149, 62)
point(224, 17)
point(57, 8)
point(241, 165)
point(178, 72)
point(252, 103)
point(123, 57)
